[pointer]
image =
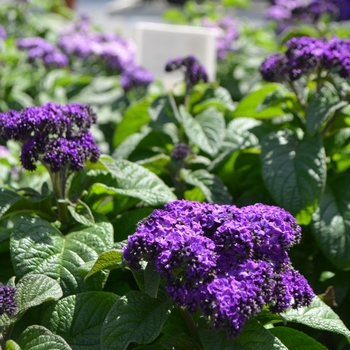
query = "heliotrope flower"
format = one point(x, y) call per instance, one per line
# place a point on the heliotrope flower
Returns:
point(228, 33)
point(226, 261)
point(57, 135)
point(193, 71)
point(305, 55)
point(180, 151)
point(287, 13)
point(39, 49)
point(3, 33)
point(8, 304)
point(106, 49)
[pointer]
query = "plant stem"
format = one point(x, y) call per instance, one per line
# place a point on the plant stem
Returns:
point(58, 180)
point(179, 185)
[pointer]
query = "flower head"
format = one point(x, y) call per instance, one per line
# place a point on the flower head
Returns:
point(288, 13)
point(228, 33)
point(226, 261)
point(40, 49)
point(8, 304)
point(56, 134)
point(194, 72)
point(304, 56)
point(180, 151)
point(3, 33)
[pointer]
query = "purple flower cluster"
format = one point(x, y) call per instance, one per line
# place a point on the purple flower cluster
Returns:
point(57, 135)
point(225, 261)
point(3, 33)
point(81, 41)
point(194, 72)
point(287, 13)
point(227, 35)
point(180, 151)
point(134, 76)
point(8, 304)
point(39, 49)
point(304, 55)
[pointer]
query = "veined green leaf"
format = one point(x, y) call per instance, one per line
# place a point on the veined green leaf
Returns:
point(211, 185)
point(79, 318)
point(134, 117)
point(40, 338)
point(253, 337)
point(295, 340)
point(249, 105)
point(294, 172)
point(206, 130)
point(320, 107)
point(105, 261)
point(318, 315)
point(331, 221)
point(135, 317)
point(38, 248)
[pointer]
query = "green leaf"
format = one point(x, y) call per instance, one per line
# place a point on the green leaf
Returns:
point(295, 340)
point(12, 345)
point(319, 316)
point(135, 317)
point(331, 221)
point(156, 164)
point(237, 137)
point(38, 247)
point(140, 183)
point(79, 318)
point(211, 185)
point(126, 224)
point(35, 289)
point(40, 338)
point(134, 117)
point(12, 203)
point(130, 143)
point(294, 172)
point(320, 107)
point(161, 111)
point(276, 97)
point(207, 130)
point(253, 337)
point(82, 213)
point(152, 279)
point(106, 260)
point(180, 343)
point(248, 106)
point(218, 97)
point(32, 290)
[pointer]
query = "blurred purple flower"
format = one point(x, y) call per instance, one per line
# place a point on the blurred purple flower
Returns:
point(193, 71)
point(180, 151)
point(287, 13)
point(304, 55)
point(3, 33)
point(40, 49)
point(228, 33)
